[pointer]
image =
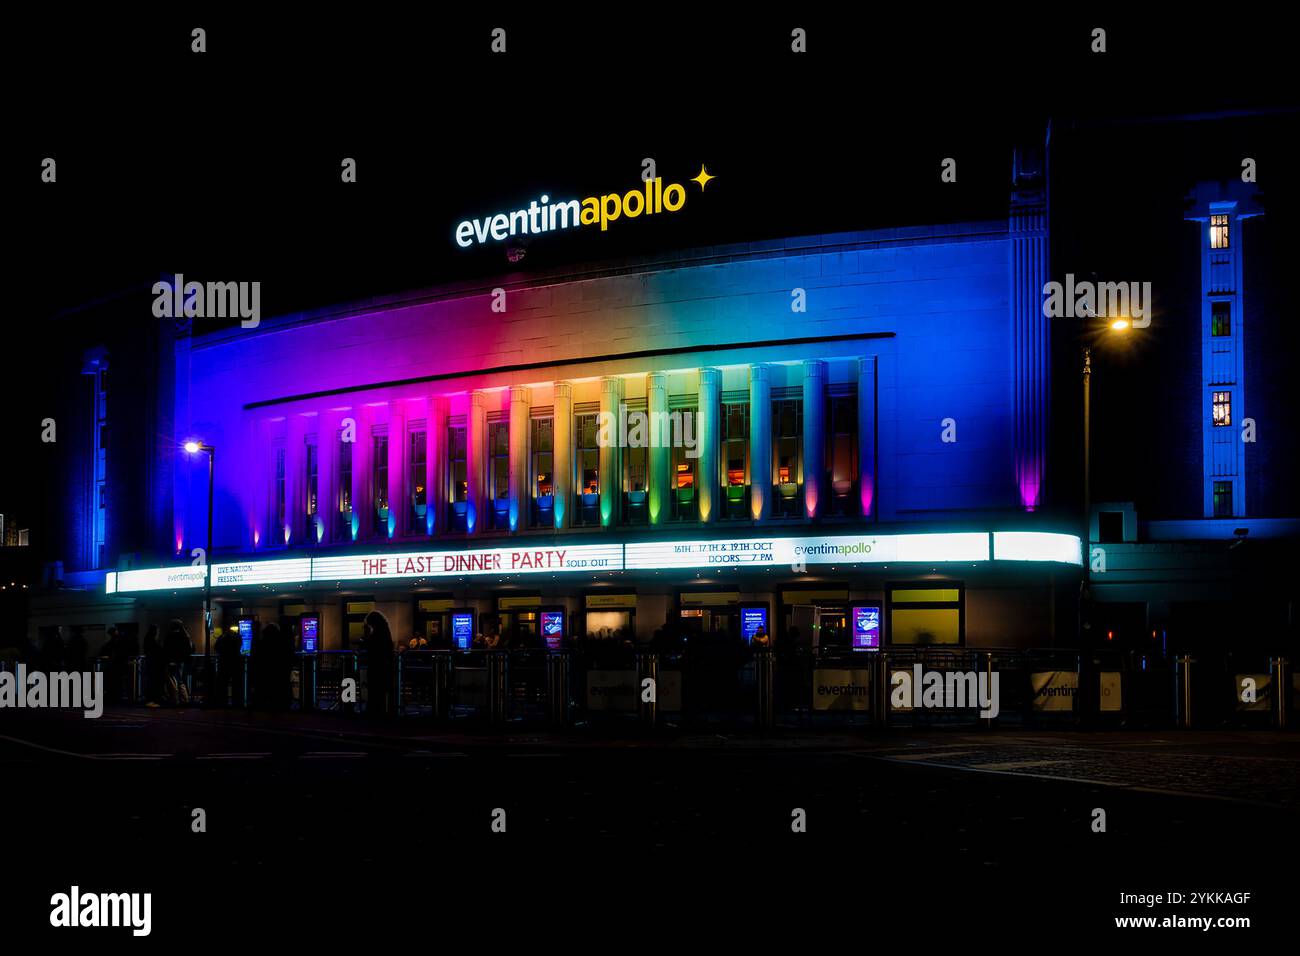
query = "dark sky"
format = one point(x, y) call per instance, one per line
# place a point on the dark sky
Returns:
point(227, 163)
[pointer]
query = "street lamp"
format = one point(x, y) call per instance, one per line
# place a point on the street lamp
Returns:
point(193, 448)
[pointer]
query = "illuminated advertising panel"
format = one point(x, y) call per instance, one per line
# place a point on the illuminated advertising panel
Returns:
point(245, 635)
point(262, 572)
point(752, 620)
point(310, 633)
point(1037, 546)
point(788, 552)
point(866, 628)
point(553, 628)
point(156, 579)
point(426, 564)
point(462, 629)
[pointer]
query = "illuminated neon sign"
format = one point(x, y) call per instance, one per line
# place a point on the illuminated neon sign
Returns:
point(543, 215)
point(960, 546)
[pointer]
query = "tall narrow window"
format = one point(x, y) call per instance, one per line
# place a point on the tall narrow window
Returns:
point(543, 472)
point(312, 470)
point(457, 478)
point(1220, 318)
point(343, 527)
point(499, 474)
point(416, 475)
point(635, 460)
point(280, 528)
point(787, 440)
point(735, 459)
point(1222, 409)
point(1218, 232)
point(842, 454)
point(587, 467)
point(379, 477)
point(1223, 499)
point(683, 474)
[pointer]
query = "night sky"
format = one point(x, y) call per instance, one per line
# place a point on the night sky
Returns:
point(227, 164)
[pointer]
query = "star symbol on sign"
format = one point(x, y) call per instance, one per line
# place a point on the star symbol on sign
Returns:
point(703, 178)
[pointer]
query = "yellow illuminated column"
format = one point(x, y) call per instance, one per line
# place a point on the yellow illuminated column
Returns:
point(706, 436)
point(659, 434)
point(476, 463)
point(814, 437)
point(562, 458)
point(521, 405)
point(611, 470)
point(760, 442)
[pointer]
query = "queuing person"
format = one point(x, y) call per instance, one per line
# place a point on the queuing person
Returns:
point(155, 668)
point(379, 663)
point(177, 648)
point(229, 685)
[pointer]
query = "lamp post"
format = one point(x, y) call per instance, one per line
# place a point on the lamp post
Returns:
point(1119, 326)
point(194, 447)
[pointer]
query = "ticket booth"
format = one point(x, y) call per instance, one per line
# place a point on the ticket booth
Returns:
point(709, 616)
point(432, 617)
point(609, 616)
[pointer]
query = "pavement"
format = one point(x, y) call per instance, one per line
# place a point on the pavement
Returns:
point(324, 829)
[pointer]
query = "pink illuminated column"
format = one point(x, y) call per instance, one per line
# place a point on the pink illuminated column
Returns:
point(521, 406)
point(327, 467)
point(295, 479)
point(363, 504)
point(814, 436)
point(867, 433)
point(436, 466)
point(396, 470)
point(476, 463)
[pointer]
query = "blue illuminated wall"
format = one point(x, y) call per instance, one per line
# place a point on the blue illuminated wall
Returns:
point(931, 306)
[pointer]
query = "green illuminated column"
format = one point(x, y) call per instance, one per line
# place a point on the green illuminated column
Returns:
point(611, 471)
point(867, 434)
point(521, 404)
point(814, 436)
point(760, 442)
point(562, 459)
point(659, 434)
point(476, 462)
point(706, 437)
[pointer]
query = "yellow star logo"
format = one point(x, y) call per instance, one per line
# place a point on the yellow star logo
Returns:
point(703, 178)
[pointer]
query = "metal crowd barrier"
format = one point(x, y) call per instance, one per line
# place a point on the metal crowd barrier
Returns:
point(617, 684)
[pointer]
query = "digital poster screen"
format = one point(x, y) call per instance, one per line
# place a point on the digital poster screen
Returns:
point(752, 620)
point(553, 628)
point(310, 633)
point(866, 628)
point(462, 629)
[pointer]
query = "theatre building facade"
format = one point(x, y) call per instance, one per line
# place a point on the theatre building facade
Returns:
point(837, 440)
